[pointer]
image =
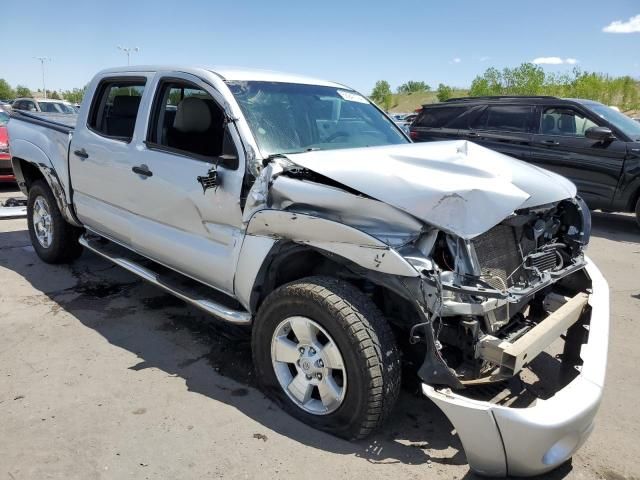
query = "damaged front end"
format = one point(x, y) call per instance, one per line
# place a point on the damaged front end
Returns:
point(478, 304)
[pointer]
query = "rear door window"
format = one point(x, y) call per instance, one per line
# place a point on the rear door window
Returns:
point(505, 118)
point(115, 108)
point(439, 117)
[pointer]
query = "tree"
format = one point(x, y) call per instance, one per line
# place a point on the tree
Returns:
point(54, 95)
point(6, 92)
point(412, 86)
point(527, 79)
point(74, 96)
point(444, 92)
point(22, 91)
point(381, 94)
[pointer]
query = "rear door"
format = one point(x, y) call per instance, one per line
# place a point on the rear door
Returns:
point(507, 129)
point(101, 154)
point(177, 218)
point(560, 145)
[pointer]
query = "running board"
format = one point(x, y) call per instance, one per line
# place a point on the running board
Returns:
point(186, 289)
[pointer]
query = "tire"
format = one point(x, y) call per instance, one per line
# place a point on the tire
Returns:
point(62, 245)
point(370, 375)
point(638, 212)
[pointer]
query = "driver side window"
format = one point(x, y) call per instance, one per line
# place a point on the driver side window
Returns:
point(187, 120)
point(564, 122)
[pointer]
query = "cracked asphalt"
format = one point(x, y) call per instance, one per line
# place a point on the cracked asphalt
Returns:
point(103, 376)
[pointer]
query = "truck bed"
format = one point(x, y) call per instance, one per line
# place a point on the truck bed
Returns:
point(43, 139)
point(65, 123)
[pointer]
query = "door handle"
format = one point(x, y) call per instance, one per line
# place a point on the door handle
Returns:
point(142, 170)
point(82, 154)
point(550, 142)
point(472, 135)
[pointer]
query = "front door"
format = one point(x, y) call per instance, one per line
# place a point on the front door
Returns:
point(181, 216)
point(561, 146)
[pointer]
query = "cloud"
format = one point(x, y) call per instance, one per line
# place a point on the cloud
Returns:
point(630, 26)
point(484, 58)
point(456, 60)
point(554, 61)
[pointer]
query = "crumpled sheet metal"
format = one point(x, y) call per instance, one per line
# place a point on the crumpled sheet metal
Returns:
point(333, 237)
point(457, 186)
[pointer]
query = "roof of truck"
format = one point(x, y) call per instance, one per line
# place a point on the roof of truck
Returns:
point(230, 73)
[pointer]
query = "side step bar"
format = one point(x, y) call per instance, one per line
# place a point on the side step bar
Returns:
point(190, 291)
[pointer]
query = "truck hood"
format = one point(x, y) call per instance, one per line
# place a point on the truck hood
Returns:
point(457, 186)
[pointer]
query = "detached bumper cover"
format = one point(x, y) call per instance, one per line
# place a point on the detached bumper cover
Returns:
point(500, 441)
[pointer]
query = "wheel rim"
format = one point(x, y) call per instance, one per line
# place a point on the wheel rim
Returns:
point(42, 222)
point(308, 365)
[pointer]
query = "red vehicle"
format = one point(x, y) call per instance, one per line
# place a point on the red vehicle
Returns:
point(6, 172)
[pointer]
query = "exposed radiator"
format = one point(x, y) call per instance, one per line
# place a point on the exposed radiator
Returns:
point(501, 261)
point(498, 255)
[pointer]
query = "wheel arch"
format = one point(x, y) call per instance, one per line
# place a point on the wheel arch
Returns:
point(39, 167)
point(281, 246)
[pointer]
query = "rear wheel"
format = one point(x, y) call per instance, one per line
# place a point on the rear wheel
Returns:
point(53, 239)
point(326, 354)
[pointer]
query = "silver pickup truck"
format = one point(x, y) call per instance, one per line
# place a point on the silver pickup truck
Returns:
point(297, 207)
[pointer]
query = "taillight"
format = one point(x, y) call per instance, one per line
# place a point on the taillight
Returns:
point(413, 135)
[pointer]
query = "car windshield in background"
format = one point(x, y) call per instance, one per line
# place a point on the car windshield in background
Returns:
point(4, 118)
point(288, 117)
point(625, 124)
point(56, 107)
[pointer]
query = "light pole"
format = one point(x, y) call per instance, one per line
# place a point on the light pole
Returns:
point(128, 51)
point(42, 60)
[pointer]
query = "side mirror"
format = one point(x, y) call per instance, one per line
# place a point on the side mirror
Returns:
point(600, 134)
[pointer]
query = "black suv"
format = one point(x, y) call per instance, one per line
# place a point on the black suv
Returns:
point(593, 145)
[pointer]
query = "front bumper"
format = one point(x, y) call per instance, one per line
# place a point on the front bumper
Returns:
point(500, 441)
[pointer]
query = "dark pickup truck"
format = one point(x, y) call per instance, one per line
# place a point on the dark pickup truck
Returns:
point(593, 145)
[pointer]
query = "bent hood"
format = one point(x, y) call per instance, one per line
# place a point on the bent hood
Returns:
point(457, 186)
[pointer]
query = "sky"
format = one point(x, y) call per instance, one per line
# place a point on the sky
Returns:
point(351, 42)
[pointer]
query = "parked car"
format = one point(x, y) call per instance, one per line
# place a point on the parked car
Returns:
point(593, 145)
point(297, 207)
point(43, 105)
point(6, 172)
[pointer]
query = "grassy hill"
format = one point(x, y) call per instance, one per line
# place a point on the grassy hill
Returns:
point(408, 102)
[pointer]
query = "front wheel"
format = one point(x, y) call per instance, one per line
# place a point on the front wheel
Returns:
point(327, 355)
point(53, 239)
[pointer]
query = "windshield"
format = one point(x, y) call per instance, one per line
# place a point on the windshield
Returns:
point(56, 107)
point(625, 124)
point(288, 117)
point(4, 117)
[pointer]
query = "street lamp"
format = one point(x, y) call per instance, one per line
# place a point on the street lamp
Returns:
point(128, 51)
point(42, 60)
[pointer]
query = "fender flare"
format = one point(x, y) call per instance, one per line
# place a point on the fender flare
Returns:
point(23, 151)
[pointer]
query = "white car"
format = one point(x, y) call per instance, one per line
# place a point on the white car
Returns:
point(43, 105)
point(297, 207)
